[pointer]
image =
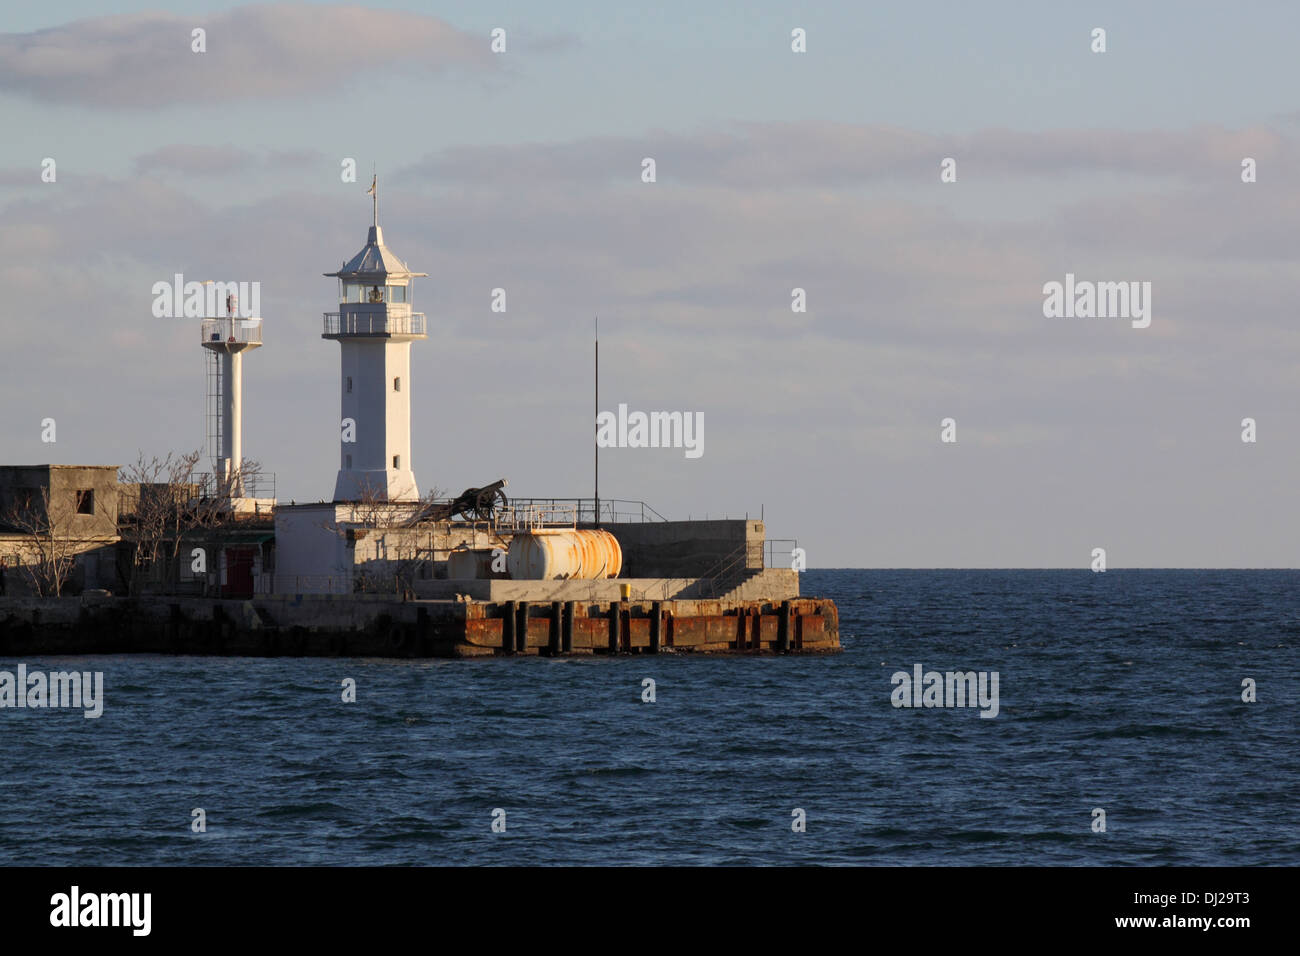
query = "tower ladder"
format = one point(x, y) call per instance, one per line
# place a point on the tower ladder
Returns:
point(215, 425)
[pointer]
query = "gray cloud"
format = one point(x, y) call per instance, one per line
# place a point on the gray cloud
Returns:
point(830, 155)
point(194, 160)
point(219, 160)
point(145, 60)
point(19, 176)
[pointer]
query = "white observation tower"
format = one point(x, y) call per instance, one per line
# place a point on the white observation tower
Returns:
point(226, 341)
point(375, 328)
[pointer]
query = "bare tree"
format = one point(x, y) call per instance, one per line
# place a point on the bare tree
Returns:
point(53, 553)
point(53, 548)
point(169, 504)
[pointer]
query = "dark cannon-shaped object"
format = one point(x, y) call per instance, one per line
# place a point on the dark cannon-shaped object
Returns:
point(481, 503)
point(478, 504)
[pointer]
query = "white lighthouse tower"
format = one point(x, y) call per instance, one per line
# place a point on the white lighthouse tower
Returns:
point(375, 328)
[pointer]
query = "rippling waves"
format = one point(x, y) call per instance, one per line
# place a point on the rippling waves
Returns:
point(1119, 690)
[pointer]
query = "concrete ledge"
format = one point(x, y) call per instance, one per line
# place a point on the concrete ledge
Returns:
point(772, 584)
point(609, 589)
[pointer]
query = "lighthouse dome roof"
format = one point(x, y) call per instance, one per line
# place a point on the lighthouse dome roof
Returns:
point(375, 261)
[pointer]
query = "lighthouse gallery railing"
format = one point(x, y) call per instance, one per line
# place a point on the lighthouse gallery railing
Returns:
point(363, 323)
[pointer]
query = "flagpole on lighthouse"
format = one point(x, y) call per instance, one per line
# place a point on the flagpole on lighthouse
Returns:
point(373, 193)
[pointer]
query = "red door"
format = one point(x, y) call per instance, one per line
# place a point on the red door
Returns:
point(239, 573)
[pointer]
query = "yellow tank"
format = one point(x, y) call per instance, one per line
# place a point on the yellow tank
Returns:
point(560, 554)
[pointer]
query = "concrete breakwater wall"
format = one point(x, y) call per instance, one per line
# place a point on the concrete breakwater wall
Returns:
point(380, 626)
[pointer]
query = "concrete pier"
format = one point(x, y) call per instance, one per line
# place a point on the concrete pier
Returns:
point(381, 626)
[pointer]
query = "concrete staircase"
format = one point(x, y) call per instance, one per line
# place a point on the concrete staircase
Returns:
point(758, 584)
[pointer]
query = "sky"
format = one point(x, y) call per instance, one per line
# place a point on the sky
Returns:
point(775, 170)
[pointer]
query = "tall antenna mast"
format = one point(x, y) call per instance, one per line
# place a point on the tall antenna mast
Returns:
point(596, 449)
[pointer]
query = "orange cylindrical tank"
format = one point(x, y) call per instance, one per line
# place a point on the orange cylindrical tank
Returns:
point(562, 553)
point(601, 555)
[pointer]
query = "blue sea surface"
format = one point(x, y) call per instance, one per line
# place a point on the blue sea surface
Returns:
point(1120, 691)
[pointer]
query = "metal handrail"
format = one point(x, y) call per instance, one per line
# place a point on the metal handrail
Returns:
point(527, 517)
point(241, 331)
point(770, 551)
point(374, 323)
point(259, 485)
point(732, 566)
point(612, 510)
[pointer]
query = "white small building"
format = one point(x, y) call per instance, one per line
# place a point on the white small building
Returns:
point(342, 547)
point(313, 553)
